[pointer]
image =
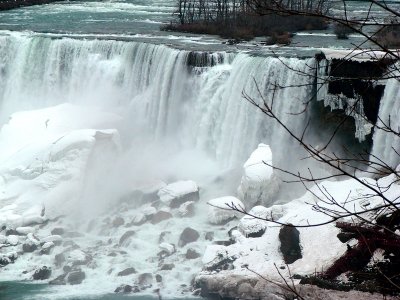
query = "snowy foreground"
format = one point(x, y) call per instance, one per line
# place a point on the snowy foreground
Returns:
point(157, 236)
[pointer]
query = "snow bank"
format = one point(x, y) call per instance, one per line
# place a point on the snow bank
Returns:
point(320, 247)
point(220, 211)
point(258, 184)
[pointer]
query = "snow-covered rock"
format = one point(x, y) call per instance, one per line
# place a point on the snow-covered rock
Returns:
point(179, 192)
point(168, 248)
point(220, 211)
point(52, 238)
point(255, 226)
point(12, 240)
point(25, 230)
point(258, 184)
point(186, 209)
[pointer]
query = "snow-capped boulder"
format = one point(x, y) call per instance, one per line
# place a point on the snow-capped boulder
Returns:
point(220, 211)
point(186, 209)
point(24, 230)
point(179, 192)
point(12, 240)
point(46, 248)
point(149, 211)
point(78, 257)
point(255, 227)
point(258, 183)
point(42, 273)
point(52, 238)
point(167, 248)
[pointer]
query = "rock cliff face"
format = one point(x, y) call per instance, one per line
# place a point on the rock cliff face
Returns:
point(352, 88)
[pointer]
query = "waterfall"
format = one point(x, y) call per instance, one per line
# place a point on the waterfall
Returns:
point(193, 97)
point(386, 145)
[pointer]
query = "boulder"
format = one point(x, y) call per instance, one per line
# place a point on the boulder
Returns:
point(344, 237)
point(126, 272)
point(192, 254)
point(78, 257)
point(8, 258)
point(58, 231)
point(179, 192)
point(11, 231)
point(160, 216)
point(29, 247)
point(186, 209)
point(12, 240)
point(143, 192)
point(46, 248)
point(126, 236)
point(126, 288)
point(167, 249)
point(60, 280)
point(159, 278)
point(289, 237)
point(25, 230)
point(59, 259)
point(220, 211)
point(42, 273)
point(56, 239)
point(188, 235)
point(258, 184)
point(145, 280)
point(118, 221)
point(252, 227)
point(209, 236)
point(138, 219)
point(165, 236)
point(167, 267)
point(76, 277)
point(4, 261)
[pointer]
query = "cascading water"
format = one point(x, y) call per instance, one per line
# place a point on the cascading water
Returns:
point(178, 115)
point(159, 90)
point(385, 143)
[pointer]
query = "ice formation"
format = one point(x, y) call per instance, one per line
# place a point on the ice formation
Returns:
point(353, 107)
point(258, 184)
